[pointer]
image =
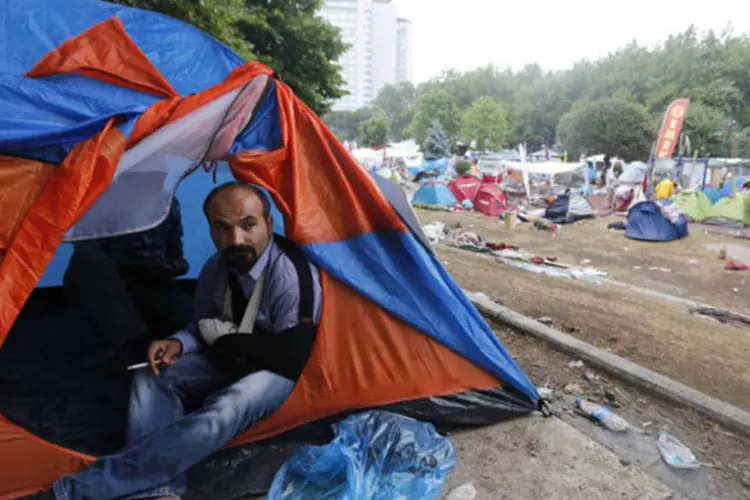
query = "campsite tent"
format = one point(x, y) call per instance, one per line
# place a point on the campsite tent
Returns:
point(95, 94)
point(465, 187)
point(659, 220)
point(491, 200)
point(738, 182)
point(731, 210)
point(434, 193)
point(712, 194)
point(569, 208)
point(633, 173)
point(695, 204)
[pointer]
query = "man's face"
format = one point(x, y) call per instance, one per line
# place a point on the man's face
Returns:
point(238, 228)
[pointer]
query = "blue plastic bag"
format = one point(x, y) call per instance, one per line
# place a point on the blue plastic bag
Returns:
point(376, 455)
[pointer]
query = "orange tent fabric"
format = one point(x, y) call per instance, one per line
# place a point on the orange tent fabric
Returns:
point(105, 52)
point(22, 181)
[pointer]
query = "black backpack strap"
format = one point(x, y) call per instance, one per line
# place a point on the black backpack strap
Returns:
point(304, 275)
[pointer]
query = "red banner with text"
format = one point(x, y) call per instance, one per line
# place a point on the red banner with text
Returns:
point(670, 128)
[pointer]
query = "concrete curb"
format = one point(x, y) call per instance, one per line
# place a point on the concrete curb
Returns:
point(730, 416)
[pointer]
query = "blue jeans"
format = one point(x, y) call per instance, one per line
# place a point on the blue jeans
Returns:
point(163, 442)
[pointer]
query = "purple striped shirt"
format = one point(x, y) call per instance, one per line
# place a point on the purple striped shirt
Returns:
point(279, 303)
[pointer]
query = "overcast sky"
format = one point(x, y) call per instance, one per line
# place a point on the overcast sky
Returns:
point(466, 34)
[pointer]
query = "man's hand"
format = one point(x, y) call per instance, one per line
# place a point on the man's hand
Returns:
point(164, 352)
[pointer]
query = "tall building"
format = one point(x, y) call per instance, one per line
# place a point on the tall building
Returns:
point(354, 19)
point(403, 50)
point(379, 47)
point(384, 34)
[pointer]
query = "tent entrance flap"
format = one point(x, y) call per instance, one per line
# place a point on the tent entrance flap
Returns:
point(150, 171)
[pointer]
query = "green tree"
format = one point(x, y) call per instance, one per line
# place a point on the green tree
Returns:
point(374, 132)
point(711, 69)
point(398, 102)
point(485, 123)
point(611, 126)
point(707, 129)
point(286, 35)
point(436, 143)
point(435, 104)
point(345, 124)
point(301, 46)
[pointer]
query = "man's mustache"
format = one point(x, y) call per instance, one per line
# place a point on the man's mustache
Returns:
point(239, 251)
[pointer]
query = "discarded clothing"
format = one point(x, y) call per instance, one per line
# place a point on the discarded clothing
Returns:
point(735, 266)
point(619, 226)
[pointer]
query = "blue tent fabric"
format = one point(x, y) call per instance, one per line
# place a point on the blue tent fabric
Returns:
point(43, 118)
point(738, 182)
point(646, 222)
point(712, 193)
point(264, 131)
point(197, 247)
point(434, 194)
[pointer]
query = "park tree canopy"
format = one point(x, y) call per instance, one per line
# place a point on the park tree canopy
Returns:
point(374, 132)
point(286, 35)
point(708, 68)
point(613, 126)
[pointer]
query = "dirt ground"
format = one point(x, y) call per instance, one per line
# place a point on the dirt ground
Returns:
point(725, 454)
point(659, 334)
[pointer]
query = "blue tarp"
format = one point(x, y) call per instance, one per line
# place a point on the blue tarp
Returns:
point(376, 455)
point(434, 194)
point(440, 165)
point(647, 222)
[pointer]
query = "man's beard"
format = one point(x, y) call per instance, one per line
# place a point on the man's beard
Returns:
point(240, 258)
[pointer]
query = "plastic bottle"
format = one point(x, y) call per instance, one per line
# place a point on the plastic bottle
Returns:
point(676, 454)
point(603, 415)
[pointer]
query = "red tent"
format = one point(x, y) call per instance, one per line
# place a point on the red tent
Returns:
point(465, 187)
point(491, 200)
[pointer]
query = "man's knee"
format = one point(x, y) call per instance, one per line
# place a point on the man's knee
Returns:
point(255, 396)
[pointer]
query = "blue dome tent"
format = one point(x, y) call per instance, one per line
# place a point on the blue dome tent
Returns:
point(435, 194)
point(658, 220)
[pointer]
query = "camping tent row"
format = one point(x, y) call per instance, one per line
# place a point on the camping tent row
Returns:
point(488, 198)
point(727, 210)
point(108, 113)
point(485, 196)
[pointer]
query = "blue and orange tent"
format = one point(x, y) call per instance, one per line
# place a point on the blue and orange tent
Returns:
point(108, 113)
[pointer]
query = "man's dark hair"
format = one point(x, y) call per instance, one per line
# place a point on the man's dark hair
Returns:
point(238, 184)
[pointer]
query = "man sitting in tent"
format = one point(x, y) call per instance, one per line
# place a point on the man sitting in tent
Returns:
point(257, 304)
point(126, 285)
